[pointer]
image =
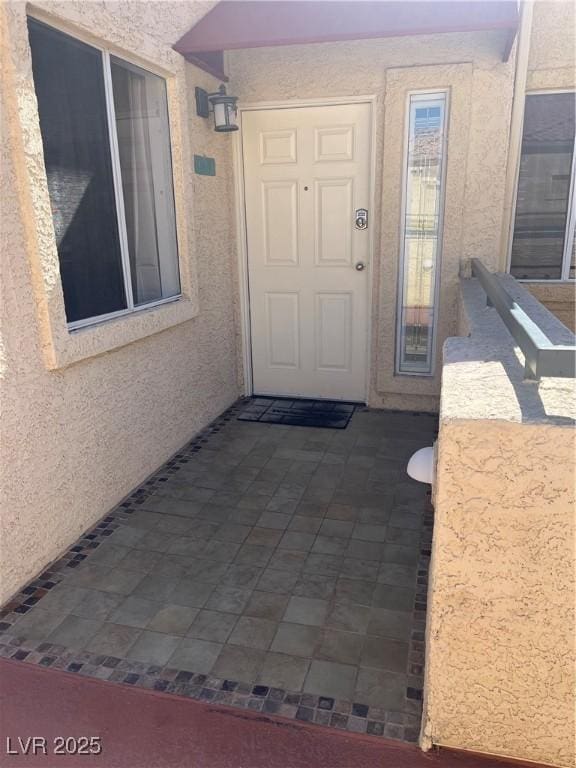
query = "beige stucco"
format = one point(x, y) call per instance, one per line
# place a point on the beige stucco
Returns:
point(76, 438)
point(501, 631)
point(559, 299)
point(470, 66)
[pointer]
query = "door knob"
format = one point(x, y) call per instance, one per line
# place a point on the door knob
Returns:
point(359, 266)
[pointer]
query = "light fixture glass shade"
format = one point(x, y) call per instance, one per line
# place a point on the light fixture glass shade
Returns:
point(224, 112)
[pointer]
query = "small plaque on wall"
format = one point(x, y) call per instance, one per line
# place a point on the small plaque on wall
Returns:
point(204, 166)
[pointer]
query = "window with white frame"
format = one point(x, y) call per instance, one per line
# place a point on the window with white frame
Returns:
point(543, 238)
point(423, 195)
point(105, 133)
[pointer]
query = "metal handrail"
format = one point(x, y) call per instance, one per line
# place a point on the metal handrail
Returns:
point(542, 357)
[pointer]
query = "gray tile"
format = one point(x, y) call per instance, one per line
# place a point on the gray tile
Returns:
point(155, 541)
point(208, 571)
point(221, 551)
point(328, 565)
point(245, 516)
point(380, 688)
point(282, 505)
point(365, 550)
point(401, 518)
point(140, 560)
point(287, 560)
point(128, 537)
point(382, 653)
point(266, 537)
point(304, 610)
point(213, 625)
point(109, 554)
point(253, 633)
point(339, 528)
point(135, 612)
point(38, 624)
point(119, 580)
point(282, 671)
point(168, 505)
point(360, 569)
point(74, 632)
point(233, 532)
point(195, 655)
point(396, 553)
point(351, 618)
point(266, 605)
point(63, 598)
point(144, 520)
point(355, 591)
point(311, 509)
point(250, 554)
point(191, 592)
point(228, 599)
point(344, 647)
point(404, 536)
point(274, 520)
point(393, 624)
point(368, 532)
point(329, 545)
point(280, 582)
point(343, 512)
point(302, 524)
point(296, 639)
point(113, 640)
point(241, 576)
point(87, 575)
point(397, 575)
point(315, 585)
point(173, 524)
point(250, 501)
point(328, 678)
point(238, 663)
point(173, 619)
point(297, 541)
point(394, 598)
point(97, 605)
point(156, 587)
point(154, 647)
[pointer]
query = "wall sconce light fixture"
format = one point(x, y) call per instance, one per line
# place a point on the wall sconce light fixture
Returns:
point(222, 106)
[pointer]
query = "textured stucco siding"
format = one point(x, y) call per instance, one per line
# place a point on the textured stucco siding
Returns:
point(470, 66)
point(78, 438)
point(501, 631)
point(559, 299)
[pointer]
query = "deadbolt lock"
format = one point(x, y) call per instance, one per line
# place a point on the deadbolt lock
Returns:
point(361, 218)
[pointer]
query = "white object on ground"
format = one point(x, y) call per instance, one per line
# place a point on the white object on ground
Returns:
point(421, 465)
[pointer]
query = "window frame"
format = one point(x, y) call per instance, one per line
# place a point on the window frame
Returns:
point(131, 308)
point(569, 234)
point(422, 95)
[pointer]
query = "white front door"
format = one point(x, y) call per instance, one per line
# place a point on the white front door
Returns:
point(307, 171)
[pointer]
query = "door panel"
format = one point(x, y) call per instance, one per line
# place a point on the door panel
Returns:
point(306, 172)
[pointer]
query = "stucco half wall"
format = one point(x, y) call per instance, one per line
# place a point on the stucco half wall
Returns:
point(75, 440)
point(501, 627)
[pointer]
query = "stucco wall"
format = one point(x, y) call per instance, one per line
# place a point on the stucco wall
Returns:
point(470, 66)
point(77, 438)
point(559, 299)
point(501, 628)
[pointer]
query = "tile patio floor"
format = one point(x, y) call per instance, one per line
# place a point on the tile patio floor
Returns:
point(287, 558)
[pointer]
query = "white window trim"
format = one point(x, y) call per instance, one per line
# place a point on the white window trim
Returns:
point(421, 95)
point(131, 308)
point(569, 233)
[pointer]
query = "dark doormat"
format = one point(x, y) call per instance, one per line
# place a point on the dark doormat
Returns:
point(298, 413)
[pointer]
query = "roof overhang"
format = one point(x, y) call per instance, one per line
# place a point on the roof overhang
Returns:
point(235, 24)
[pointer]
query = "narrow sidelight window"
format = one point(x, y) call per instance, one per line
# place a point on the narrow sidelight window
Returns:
point(422, 233)
point(543, 240)
point(105, 133)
